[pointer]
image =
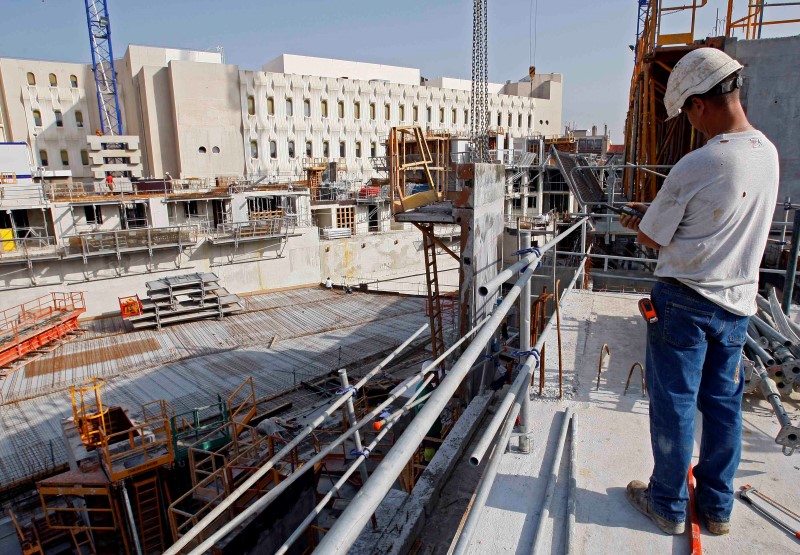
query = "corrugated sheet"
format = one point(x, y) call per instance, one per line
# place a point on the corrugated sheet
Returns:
point(316, 331)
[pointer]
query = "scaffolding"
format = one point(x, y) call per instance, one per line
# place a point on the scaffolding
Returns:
point(650, 140)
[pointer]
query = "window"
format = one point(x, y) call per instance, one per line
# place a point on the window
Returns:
point(415, 113)
point(530, 120)
point(455, 116)
point(215, 150)
point(466, 117)
point(509, 119)
point(358, 149)
point(307, 108)
point(541, 122)
point(532, 202)
point(270, 106)
point(273, 150)
point(309, 149)
point(519, 120)
point(373, 150)
point(342, 150)
point(254, 149)
point(429, 114)
point(402, 112)
point(31, 78)
point(73, 81)
point(85, 157)
point(356, 110)
point(93, 214)
point(547, 122)
point(59, 118)
point(289, 107)
point(190, 209)
point(324, 108)
point(251, 106)
point(37, 118)
point(291, 149)
point(201, 150)
point(372, 111)
point(387, 112)
point(53, 80)
point(499, 119)
point(340, 109)
point(326, 150)
point(43, 158)
point(64, 158)
point(79, 118)
point(441, 115)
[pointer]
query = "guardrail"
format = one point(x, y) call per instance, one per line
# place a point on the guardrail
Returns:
point(121, 240)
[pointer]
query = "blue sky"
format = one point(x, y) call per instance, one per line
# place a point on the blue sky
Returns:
point(585, 40)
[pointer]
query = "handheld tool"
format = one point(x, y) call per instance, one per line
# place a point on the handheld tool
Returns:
point(785, 517)
point(648, 311)
point(624, 210)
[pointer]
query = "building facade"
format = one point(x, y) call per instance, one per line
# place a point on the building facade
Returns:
point(197, 117)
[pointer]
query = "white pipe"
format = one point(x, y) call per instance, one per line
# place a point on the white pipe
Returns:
point(277, 490)
point(551, 483)
point(485, 487)
point(525, 345)
point(349, 525)
point(527, 260)
point(390, 422)
point(248, 484)
point(572, 485)
point(132, 522)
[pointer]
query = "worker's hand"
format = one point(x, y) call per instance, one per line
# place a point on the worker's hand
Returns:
point(632, 222)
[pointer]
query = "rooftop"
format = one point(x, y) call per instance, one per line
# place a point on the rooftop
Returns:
point(613, 447)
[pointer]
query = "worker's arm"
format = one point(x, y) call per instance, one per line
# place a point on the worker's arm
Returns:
point(632, 222)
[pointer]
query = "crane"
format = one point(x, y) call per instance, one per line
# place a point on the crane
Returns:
point(105, 76)
point(479, 100)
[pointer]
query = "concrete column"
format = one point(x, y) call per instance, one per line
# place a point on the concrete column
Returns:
point(524, 181)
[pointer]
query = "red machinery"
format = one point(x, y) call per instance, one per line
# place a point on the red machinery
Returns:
point(28, 327)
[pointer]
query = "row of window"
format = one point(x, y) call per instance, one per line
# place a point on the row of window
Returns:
point(273, 149)
point(73, 80)
point(37, 118)
point(387, 112)
point(64, 158)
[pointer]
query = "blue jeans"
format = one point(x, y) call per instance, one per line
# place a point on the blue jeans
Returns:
point(693, 357)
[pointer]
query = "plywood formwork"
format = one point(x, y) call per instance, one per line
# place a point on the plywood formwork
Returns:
point(650, 140)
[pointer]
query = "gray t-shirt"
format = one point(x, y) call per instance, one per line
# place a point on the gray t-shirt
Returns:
point(712, 218)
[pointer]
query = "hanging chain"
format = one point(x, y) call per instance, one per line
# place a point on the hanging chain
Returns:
point(479, 99)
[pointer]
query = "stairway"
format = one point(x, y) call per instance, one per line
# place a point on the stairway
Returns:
point(148, 515)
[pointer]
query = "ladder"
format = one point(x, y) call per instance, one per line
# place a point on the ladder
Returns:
point(434, 298)
point(148, 513)
point(82, 538)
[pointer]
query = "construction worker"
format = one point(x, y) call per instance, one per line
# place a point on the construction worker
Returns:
point(110, 182)
point(709, 222)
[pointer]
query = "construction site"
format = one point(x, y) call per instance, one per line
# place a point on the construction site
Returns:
point(286, 312)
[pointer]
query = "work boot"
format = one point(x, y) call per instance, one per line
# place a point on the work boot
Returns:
point(717, 527)
point(639, 496)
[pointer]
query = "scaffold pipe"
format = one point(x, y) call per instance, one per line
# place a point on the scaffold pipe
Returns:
point(270, 496)
point(528, 260)
point(357, 463)
point(262, 471)
point(349, 525)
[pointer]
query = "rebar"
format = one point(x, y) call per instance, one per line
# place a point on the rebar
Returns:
point(603, 350)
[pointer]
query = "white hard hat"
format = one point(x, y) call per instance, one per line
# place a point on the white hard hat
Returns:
point(697, 73)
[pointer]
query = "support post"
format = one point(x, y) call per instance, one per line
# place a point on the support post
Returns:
point(131, 521)
point(351, 416)
point(525, 345)
point(791, 266)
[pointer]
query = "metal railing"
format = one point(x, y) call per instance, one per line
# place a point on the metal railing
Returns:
point(120, 240)
point(36, 312)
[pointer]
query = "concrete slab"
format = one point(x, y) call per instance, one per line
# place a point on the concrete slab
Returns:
point(613, 448)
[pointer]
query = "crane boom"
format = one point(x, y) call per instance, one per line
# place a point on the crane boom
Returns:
point(105, 76)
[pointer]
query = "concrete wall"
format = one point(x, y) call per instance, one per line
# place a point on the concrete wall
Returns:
point(254, 266)
point(208, 115)
point(771, 97)
point(382, 256)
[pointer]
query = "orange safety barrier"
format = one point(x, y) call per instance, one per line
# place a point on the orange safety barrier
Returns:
point(28, 327)
point(130, 306)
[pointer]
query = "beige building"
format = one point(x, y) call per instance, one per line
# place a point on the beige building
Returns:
point(198, 117)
